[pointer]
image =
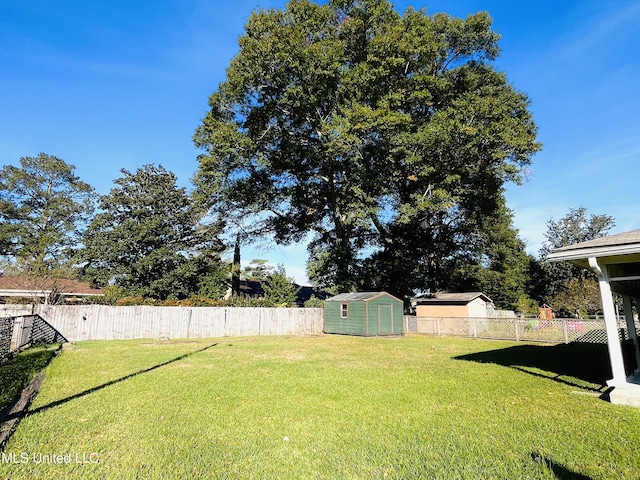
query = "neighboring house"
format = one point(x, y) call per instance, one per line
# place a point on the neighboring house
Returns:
point(306, 293)
point(366, 313)
point(253, 288)
point(16, 289)
point(469, 304)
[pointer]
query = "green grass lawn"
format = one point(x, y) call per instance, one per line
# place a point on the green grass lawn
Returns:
point(324, 407)
point(17, 372)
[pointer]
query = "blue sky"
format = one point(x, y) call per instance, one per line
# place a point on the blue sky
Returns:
point(106, 85)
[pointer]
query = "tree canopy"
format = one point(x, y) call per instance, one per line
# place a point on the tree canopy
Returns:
point(496, 262)
point(148, 237)
point(575, 227)
point(43, 209)
point(387, 136)
point(258, 269)
point(279, 289)
point(567, 287)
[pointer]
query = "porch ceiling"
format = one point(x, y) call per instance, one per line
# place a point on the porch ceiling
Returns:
point(618, 254)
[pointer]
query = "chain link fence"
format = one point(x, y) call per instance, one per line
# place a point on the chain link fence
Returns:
point(21, 331)
point(561, 330)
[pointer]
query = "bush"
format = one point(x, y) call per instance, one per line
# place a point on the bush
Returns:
point(130, 301)
point(246, 301)
point(195, 301)
point(279, 290)
point(112, 295)
point(200, 301)
point(314, 302)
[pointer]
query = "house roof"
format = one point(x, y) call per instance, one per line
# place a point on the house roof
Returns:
point(622, 244)
point(461, 298)
point(253, 288)
point(358, 297)
point(16, 286)
point(619, 254)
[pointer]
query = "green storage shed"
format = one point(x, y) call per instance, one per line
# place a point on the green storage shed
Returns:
point(363, 313)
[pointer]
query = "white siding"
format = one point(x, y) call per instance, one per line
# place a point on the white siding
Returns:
point(477, 308)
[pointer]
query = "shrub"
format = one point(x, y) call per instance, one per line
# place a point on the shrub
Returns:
point(130, 301)
point(314, 302)
point(200, 301)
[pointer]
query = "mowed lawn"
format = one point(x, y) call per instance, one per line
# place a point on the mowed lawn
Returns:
point(324, 407)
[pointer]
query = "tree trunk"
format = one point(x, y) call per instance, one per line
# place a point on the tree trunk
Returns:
point(235, 268)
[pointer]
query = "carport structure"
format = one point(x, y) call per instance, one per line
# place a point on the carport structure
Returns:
point(616, 261)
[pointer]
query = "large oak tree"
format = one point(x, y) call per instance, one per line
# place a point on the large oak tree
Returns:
point(388, 136)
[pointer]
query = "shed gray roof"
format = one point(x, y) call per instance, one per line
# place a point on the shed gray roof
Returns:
point(453, 298)
point(358, 297)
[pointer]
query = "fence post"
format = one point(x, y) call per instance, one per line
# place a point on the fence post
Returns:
point(515, 325)
point(475, 330)
point(564, 328)
point(438, 325)
point(16, 334)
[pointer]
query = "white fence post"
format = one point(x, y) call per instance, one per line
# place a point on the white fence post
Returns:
point(16, 334)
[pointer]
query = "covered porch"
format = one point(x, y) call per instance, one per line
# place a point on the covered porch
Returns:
point(616, 261)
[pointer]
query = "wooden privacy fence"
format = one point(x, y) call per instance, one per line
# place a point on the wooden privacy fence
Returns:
point(105, 322)
point(11, 310)
point(561, 330)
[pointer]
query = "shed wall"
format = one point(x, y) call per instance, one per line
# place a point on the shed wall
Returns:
point(442, 311)
point(354, 324)
point(477, 308)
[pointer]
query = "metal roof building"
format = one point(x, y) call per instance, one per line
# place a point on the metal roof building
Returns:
point(464, 304)
point(363, 313)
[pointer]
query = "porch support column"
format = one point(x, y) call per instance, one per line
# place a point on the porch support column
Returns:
point(611, 322)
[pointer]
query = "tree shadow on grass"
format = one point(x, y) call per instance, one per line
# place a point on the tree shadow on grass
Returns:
point(113, 382)
point(587, 362)
point(559, 471)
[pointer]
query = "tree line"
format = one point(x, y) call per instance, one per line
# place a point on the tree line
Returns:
point(147, 239)
point(152, 240)
point(385, 138)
